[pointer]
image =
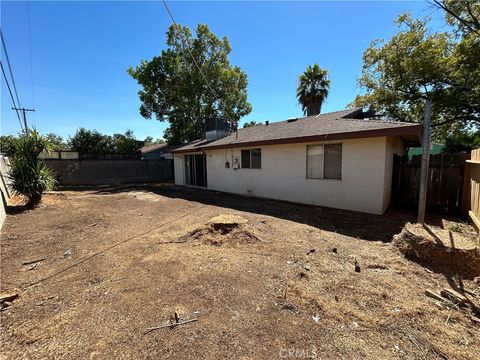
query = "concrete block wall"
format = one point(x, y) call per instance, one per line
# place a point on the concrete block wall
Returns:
point(102, 172)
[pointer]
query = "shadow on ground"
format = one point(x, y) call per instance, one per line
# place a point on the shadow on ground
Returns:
point(349, 223)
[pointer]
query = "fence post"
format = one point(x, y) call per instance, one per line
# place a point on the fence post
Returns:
point(422, 198)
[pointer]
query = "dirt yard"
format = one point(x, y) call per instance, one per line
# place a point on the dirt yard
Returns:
point(117, 261)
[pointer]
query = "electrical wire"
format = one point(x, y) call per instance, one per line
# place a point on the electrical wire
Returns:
point(10, 68)
point(198, 66)
point(11, 95)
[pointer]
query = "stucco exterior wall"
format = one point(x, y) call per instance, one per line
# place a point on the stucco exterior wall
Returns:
point(283, 175)
point(4, 187)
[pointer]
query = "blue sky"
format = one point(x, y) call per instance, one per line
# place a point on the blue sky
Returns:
point(81, 51)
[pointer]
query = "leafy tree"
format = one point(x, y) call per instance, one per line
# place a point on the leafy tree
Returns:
point(462, 141)
point(7, 145)
point(90, 142)
point(312, 89)
point(148, 141)
point(56, 141)
point(126, 143)
point(174, 90)
point(417, 64)
point(28, 174)
point(252, 123)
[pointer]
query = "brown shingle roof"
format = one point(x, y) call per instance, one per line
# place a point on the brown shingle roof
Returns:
point(330, 126)
point(152, 147)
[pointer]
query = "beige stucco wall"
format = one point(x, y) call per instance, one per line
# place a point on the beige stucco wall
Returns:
point(4, 187)
point(283, 175)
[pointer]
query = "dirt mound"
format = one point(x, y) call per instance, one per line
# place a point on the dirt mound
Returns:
point(430, 248)
point(223, 230)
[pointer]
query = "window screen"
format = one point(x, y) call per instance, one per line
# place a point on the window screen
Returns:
point(324, 161)
point(252, 159)
point(333, 161)
point(245, 159)
point(315, 161)
point(256, 158)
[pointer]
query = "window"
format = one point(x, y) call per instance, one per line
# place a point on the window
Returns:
point(252, 159)
point(324, 161)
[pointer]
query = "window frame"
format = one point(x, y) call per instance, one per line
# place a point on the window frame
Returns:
point(250, 158)
point(323, 162)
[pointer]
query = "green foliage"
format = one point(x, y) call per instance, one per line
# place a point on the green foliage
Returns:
point(28, 174)
point(90, 142)
point(93, 142)
point(462, 141)
point(252, 123)
point(7, 145)
point(417, 64)
point(126, 143)
point(56, 141)
point(174, 90)
point(312, 89)
point(456, 228)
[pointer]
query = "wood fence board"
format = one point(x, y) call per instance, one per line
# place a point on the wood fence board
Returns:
point(445, 181)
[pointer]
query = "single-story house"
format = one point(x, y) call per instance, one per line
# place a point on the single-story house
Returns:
point(338, 159)
point(157, 151)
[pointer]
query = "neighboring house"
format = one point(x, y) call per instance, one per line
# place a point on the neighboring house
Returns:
point(157, 151)
point(336, 160)
point(435, 148)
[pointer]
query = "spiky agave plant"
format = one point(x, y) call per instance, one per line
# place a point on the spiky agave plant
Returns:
point(28, 174)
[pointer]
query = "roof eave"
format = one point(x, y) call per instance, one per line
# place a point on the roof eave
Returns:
point(415, 130)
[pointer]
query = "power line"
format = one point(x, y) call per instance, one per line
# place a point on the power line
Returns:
point(11, 94)
point(10, 67)
point(198, 66)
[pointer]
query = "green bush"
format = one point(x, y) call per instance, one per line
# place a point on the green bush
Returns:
point(28, 174)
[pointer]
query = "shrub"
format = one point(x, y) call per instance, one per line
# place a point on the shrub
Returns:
point(28, 174)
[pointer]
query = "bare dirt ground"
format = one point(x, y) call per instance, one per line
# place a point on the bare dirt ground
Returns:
point(117, 261)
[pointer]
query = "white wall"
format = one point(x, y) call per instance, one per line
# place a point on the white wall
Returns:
point(4, 184)
point(283, 175)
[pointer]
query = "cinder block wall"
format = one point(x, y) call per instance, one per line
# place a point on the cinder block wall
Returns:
point(101, 172)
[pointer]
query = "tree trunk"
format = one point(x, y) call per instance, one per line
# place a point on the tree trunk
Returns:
point(34, 200)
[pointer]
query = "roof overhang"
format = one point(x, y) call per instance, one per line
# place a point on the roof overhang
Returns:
point(411, 134)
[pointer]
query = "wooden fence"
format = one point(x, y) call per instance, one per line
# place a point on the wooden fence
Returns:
point(474, 177)
point(446, 182)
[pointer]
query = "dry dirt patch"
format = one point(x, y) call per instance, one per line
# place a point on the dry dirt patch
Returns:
point(223, 230)
point(294, 287)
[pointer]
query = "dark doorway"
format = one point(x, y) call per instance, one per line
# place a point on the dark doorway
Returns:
point(196, 170)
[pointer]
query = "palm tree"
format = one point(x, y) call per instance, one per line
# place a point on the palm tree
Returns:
point(312, 89)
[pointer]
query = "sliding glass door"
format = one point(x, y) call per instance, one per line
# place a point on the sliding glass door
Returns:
point(196, 170)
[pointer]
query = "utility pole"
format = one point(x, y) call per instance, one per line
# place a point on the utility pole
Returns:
point(422, 199)
point(24, 112)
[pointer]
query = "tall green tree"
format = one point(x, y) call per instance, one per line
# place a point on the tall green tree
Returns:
point(173, 89)
point(419, 64)
point(312, 89)
point(126, 143)
point(56, 141)
point(91, 142)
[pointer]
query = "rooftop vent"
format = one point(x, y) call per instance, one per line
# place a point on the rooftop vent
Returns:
point(217, 128)
point(292, 119)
